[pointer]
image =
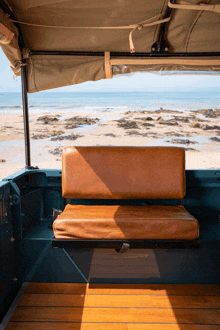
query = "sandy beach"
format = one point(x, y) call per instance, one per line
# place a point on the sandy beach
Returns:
point(198, 131)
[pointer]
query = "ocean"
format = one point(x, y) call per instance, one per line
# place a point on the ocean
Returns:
point(56, 102)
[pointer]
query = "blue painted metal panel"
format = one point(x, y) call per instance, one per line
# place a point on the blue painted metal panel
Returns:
point(8, 275)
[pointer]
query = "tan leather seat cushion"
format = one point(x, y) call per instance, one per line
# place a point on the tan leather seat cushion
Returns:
point(125, 222)
point(123, 172)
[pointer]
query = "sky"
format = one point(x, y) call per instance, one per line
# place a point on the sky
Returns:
point(129, 83)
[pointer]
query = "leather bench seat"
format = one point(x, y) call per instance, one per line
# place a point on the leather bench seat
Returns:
point(144, 173)
point(125, 222)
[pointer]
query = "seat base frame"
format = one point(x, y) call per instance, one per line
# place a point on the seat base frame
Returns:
point(117, 244)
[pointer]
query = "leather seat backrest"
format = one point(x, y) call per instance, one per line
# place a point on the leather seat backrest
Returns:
point(123, 172)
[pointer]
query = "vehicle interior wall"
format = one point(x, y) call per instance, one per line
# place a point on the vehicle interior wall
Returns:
point(27, 199)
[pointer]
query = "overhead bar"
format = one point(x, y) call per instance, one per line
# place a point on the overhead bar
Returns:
point(122, 54)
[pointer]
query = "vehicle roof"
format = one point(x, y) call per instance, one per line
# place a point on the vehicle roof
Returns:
point(106, 26)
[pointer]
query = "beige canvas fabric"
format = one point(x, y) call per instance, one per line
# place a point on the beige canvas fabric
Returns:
point(47, 72)
point(10, 48)
point(101, 25)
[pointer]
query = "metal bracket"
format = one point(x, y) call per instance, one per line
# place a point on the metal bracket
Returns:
point(56, 212)
point(161, 45)
point(31, 167)
point(14, 200)
point(124, 248)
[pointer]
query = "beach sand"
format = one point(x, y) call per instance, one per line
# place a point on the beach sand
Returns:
point(196, 131)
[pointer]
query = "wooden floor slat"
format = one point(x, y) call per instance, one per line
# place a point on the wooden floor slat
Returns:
point(65, 300)
point(151, 289)
point(105, 326)
point(114, 315)
point(80, 306)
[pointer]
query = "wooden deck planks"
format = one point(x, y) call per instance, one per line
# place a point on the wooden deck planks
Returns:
point(68, 300)
point(115, 315)
point(80, 306)
point(153, 289)
point(105, 326)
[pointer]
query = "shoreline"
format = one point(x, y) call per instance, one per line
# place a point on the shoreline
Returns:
point(197, 131)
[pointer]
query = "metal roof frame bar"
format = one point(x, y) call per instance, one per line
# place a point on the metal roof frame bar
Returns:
point(123, 54)
point(25, 115)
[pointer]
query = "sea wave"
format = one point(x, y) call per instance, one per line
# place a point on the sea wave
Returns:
point(10, 107)
point(97, 101)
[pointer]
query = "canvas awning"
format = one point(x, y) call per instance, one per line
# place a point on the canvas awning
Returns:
point(101, 27)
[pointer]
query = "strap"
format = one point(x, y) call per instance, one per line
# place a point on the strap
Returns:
point(108, 66)
point(131, 26)
point(201, 6)
point(164, 61)
point(139, 26)
point(142, 25)
point(6, 35)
